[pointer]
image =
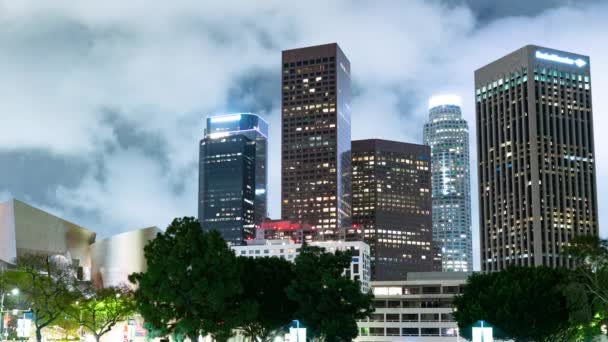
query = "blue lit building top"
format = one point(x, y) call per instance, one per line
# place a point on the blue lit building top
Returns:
point(236, 123)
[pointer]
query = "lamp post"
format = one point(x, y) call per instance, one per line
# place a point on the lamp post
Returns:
point(14, 292)
point(79, 320)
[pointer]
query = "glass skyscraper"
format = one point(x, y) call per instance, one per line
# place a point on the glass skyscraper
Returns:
point(447, 134)
point(233, 175)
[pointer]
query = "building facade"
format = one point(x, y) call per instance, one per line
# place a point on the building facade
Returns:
point(28, 230)
point(232, 175)
point(536, 158)
point(285, 230)
point(415, 309)
point(447, 133)
point(392, 205)
point(316, 160)
point(286, 249)
point(114, 258)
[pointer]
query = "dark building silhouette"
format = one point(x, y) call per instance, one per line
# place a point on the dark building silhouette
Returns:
point(232, 175)
point(392, 206)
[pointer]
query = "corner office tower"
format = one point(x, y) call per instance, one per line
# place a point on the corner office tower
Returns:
point(447, 133)
point(232, 175)
point(392, 205)
point(316, 146)
point(537, 180)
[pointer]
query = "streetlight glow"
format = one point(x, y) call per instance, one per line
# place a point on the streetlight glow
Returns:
point(15, 291)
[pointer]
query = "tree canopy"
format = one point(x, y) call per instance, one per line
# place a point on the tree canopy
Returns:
point(99, 310)
point(265, 307)
point(328, 303)
point(192, 282)
point(522, 303)
point(47, 284)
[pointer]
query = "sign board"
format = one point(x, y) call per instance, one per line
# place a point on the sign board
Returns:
point(579, 62)
point(482, 334)
point(23, 327)
point(297, 334)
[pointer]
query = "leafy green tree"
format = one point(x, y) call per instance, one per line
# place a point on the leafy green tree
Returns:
point(591, 258)
point(99, 310)
point(588, 290)
point(522, 303)
point(191, 284)
point(47, 284)
point(265, 308)
point(329, 304)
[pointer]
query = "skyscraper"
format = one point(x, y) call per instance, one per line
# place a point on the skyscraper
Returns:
point(316, 159)
point(447, 133)
point(392, 205)
point(232, 175)
point(537, 181)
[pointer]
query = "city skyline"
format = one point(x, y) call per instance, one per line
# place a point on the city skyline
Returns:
point(116, 116)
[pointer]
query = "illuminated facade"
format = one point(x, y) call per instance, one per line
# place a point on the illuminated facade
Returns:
point(113, 259)
point(316, 160)
point(447, 133)
point(536, 159)
point(417, 308)
point(28, 230)
point(392, 205)
point(282, 229)
point(233, 175)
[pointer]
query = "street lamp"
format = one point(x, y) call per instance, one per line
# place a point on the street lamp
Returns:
point(80, 320)
point(14, 292)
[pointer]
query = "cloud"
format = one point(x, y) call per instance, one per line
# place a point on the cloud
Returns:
point(113, 95)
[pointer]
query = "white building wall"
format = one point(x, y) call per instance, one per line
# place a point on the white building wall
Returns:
point(416, 310)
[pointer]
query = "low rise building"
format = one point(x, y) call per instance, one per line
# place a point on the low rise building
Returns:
point(416, 309)
point(285, 249)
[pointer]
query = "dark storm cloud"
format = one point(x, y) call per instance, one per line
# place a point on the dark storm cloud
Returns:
point(486, 11)
point(33, 175)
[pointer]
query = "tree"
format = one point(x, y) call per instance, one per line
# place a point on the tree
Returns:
point(47, 283)
point(329, 304)
point(191, 284)
point(99, 310)
point(591, 257)
point(589, 285)
point(265, 307)
point(522, 303)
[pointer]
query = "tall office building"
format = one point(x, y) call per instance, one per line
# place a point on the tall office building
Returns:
point(232, 175)
point(447, 133)
point(537, 181)
point(392, 205)
point(316, 160)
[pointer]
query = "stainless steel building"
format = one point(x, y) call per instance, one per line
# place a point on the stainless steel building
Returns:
point(447, 133)
point(113, 259)
point(28, 230)
point(536, 160)
point(316, 160)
